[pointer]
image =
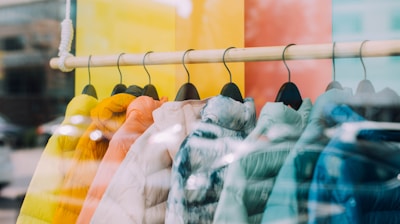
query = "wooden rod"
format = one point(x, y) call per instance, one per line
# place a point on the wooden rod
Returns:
point(296, 52)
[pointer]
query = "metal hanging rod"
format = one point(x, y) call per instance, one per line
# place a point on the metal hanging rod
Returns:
point(273, 53)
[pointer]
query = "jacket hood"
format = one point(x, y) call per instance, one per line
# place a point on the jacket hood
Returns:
point(278, 121)
point(144, 104)
point(332, 96)
point(177, 111)
point(140, 107)
point(174, 120)
point(110, 113)
point(138, 118)
point(314, 132)
point(77, 119)
point(79, 105)
point(241, 116)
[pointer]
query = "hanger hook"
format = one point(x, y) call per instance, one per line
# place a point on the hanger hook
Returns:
point(284, 60)
point(90, 78)
point(183, 63)
point(144, 65)
point(119, 69)
point(361, 58)
point(223, 60)
point(333, 61)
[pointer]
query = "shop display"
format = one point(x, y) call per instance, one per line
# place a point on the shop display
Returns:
point(141, 157)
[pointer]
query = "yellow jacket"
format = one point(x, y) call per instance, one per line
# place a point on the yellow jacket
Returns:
point(41, 198)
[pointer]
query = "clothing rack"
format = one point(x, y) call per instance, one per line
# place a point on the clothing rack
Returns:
point(251, 54)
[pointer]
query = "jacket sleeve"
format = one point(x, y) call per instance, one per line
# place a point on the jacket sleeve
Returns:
point(79, 177)
point(231, 207)
point(176, 199)
point(282, 203)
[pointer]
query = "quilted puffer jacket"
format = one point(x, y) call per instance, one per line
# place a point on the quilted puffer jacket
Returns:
point(196, 184)
point(107, 118)
point(249, 180)
point(42, 197)
point(139, 117)
point(138, 190)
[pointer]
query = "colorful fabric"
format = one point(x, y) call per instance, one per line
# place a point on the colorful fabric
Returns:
point(139, 117)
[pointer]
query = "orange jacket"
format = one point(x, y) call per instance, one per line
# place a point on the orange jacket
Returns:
point(138, 118)
point(107, 117)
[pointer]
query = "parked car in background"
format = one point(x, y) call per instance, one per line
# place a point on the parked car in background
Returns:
point(12, 133)
point(46, 130)
point(6, 165)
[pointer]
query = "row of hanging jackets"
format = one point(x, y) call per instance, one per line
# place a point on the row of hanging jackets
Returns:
point(130, 159)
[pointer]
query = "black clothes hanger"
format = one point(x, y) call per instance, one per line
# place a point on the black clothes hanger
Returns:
point(230, 89)
point(289, 94)
point(365, 85)
point(149, 89)
point(120, 87)
point(333, 84)
point(134, 90)
point(187, 91)
point(89, 88)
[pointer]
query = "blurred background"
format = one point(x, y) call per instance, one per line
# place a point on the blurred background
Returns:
point(31, 92)
point(33, 97)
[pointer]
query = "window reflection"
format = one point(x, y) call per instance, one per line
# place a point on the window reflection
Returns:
point(33, 92)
